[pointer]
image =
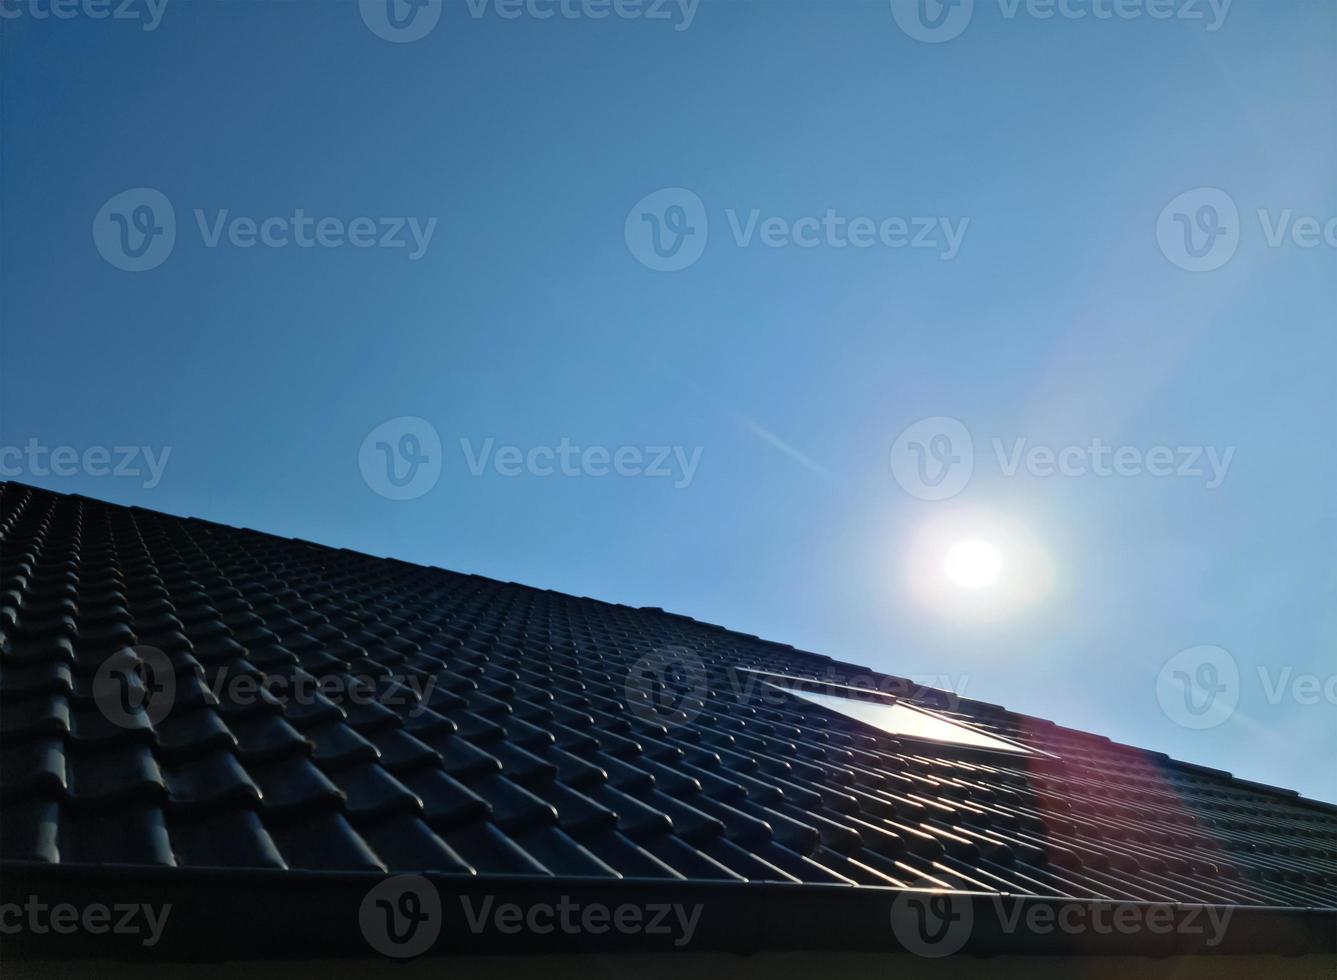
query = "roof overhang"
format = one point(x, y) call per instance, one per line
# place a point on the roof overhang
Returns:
point(261, 915)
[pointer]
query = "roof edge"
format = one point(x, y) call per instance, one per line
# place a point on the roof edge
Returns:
point(737, 917)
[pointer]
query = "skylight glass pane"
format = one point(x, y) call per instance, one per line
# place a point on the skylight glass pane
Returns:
point(900, 719)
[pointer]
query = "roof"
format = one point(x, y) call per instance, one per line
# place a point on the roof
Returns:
point(237, 719)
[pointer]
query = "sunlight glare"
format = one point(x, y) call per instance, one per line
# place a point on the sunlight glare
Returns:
point(973, 564)
point(981, 566)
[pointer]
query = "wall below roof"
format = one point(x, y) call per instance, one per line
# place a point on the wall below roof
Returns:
point(672, 966)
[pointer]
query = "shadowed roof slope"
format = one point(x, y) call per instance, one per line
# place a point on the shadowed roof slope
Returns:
point(182, 695)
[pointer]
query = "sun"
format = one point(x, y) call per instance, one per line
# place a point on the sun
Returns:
point(973, 564)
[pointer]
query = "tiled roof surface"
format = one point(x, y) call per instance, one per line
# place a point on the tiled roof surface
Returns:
point(532, 753)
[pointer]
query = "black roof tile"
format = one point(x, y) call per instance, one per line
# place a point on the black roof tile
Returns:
point(456, 725)
point(230, 838)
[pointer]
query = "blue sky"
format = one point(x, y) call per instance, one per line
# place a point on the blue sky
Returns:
point(825, 160)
